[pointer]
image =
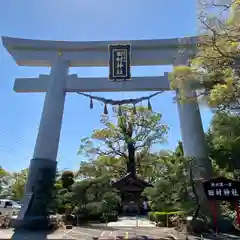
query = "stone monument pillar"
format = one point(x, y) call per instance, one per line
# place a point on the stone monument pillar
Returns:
point(42, 168)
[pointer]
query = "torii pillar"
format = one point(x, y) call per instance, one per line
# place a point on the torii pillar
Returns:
point(193, 137)
point(42, 168)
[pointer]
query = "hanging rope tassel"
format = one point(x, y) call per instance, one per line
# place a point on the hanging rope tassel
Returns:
point(91, 103)
point(119, 111)
point(149, 105)
point(105, 109)
point(134, 109)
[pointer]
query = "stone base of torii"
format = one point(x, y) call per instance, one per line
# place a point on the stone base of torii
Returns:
point(62, 55)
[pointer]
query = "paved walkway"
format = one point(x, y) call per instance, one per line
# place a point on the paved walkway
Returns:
point(132, 222)
point(126, 227)
point(106, 233)
point(82, 233)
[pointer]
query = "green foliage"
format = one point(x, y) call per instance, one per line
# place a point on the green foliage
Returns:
point(56, 205)
point(67, 179)
point(213, 69)
point(184, 77)
point(93, 199)
point(224, 140)
point(19, 181)
point(179, 150)
point(142, 128)
point(103, 165)
point(89, 193)
point(172, 187)
point(168, 171)
point(94, 208)
point(3, 172)
point(163, 216)
point(4, 182)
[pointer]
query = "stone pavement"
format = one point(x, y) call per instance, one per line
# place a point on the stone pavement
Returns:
point(132, 222)
point(126, 227)
point(107, 233)
point(87, 233)
point(31, 235)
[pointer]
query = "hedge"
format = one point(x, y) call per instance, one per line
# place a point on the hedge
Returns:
point(162, 216)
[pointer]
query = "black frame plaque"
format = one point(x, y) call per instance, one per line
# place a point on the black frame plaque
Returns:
point(120, 62)
point(222, 189)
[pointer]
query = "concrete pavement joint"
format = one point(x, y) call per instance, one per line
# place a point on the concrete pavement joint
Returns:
point(65, 233)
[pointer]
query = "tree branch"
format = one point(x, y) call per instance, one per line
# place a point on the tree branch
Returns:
point(218, 5)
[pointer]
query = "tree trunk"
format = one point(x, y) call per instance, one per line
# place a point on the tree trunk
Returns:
point(131, 165)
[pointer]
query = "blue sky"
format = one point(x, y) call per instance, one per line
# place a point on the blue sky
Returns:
point(78, 20)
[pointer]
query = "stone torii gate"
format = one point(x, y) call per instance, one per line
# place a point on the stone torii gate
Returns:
point(59, 56)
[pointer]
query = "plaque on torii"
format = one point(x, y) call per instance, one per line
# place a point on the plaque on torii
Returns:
point(119, 62)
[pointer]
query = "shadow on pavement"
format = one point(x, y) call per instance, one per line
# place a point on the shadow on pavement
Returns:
point(19, 234)
point(220, 236)
point(98, 227)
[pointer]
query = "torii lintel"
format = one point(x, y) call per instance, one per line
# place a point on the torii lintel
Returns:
point(75, 84)
point(29, 52)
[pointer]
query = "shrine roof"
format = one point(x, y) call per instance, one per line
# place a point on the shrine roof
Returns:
point(124, 181)
point(30, 52)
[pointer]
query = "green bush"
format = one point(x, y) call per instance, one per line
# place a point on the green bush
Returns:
point(162, 216)
point(151, 216)
point(112, 216)
point(95, 212)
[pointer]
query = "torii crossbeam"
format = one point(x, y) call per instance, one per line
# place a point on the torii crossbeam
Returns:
point(75, 84)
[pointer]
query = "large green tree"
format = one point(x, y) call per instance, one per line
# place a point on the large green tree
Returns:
point(126, 137)
point(5, 182)
point(214, 71)
point(224, 140)
point(67, 179)
point(218, 55)
point(93, 197)
point(103, 165)
point(147, 165)
point(172, 189)
point(18, 185)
